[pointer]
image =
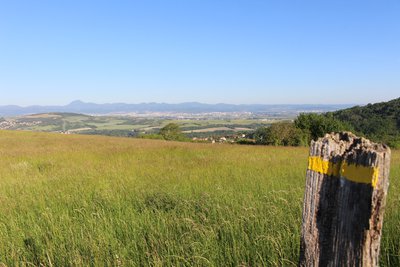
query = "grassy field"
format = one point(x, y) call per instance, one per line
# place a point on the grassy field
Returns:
point(102, 201)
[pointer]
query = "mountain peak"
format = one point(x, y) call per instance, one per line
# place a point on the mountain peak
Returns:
point(76, 103)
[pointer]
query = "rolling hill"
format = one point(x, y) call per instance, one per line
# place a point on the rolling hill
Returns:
point(380, 121)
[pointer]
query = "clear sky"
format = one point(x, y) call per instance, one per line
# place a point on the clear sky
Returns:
point(244, 51)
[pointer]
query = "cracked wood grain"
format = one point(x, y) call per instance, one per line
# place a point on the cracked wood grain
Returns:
point(344, 201)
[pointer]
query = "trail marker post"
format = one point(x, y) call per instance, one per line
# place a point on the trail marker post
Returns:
point(344, 200)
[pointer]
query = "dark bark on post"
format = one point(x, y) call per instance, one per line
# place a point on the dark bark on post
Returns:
point(344, 201)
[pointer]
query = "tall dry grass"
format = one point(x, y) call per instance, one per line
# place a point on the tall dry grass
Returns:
point(90, 200)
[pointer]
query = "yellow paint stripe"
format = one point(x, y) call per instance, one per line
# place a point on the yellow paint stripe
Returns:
point(317, 164)
point(352, 172)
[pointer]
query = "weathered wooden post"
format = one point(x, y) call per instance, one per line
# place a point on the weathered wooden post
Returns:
point(344, 201)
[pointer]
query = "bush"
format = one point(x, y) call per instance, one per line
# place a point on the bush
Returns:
point(317, 125)
point(171, 131)
point(151, 136)
point(281, 134)
point(245, 142)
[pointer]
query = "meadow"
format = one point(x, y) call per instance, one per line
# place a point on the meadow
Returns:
point(77, 200)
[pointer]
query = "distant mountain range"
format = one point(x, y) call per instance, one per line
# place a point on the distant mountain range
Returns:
point(189, 107)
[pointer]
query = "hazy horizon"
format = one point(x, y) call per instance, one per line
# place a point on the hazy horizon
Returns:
point(188, 102)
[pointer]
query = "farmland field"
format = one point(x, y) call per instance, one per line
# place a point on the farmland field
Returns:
point(73, 200)
point(119, 125)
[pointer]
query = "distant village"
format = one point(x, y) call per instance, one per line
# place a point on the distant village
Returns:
point(222, 139)
point(14, 124)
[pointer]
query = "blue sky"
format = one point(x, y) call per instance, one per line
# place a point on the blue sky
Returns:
point(270, 52)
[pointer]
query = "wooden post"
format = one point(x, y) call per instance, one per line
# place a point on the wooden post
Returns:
point(344, 201)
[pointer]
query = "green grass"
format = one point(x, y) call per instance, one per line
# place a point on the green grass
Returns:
point(91, 200)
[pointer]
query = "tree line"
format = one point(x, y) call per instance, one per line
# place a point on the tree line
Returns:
point(379, 122)
point(306, 127)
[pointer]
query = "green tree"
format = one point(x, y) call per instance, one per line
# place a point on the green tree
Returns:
point(281, 134)
point(261, 135)
point(171, 131)
point(317, 125)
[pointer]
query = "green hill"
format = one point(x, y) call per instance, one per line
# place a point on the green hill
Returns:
point(380, 121)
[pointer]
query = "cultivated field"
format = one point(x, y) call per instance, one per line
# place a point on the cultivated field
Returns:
point(101, 201)
point(119, 125)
